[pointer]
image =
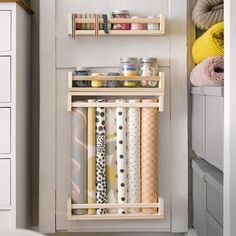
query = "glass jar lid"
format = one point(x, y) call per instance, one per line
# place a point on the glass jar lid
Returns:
point(120, 12)
point(148, 59)
point(82, 69)
point(128, 59)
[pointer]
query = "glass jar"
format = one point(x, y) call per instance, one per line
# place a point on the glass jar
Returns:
point(148, 67)
point(152, 26)
point(81, 71)
point(120, 14)
point(128, 67)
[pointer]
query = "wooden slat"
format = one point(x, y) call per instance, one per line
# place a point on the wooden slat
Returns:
point(121, 78)
point(116, 93)
point(92, 90)
point(111, 104)
point(22, 4)
point(121, 21)
point(115, 216)
point(120, 33)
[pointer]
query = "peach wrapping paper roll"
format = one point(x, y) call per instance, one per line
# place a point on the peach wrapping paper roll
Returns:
point(91, 168)
point(79, 157)
point(149, 155)
point(111, 157)
point(133, 154)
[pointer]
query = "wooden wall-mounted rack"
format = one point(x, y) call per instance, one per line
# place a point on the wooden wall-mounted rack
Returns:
point(157, 92)
point(115, 216)
point(72, 21)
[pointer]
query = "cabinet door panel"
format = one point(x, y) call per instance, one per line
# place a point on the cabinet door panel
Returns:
point(5, 182)
point(5, 31)
point(5, 79)
point(5, 128)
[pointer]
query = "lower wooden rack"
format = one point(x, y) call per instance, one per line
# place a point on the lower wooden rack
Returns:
point(115, 216)
point(140, 92)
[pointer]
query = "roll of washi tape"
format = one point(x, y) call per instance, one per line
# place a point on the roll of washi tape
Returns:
point(111, 157)
point(91, 165)
point(97, 83)
point(152, 26)
point(133, 154)
point(105, 23)
point(149, 155)
point(83, 25)
point(78, 25)
point(121, 155)
point(101, 188)
point(79, 156)
point(136, 26)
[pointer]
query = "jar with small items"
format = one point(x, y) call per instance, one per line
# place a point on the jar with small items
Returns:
point(120, 14)
point(128, 67)
point(152, 26)
point(148, 67)
point(81, 71)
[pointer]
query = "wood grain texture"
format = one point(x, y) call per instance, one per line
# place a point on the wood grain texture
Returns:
point(22, 4)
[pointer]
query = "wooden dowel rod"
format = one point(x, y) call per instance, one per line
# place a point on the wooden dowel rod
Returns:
point(121, 21)
point(121, 78)
point(110, 104)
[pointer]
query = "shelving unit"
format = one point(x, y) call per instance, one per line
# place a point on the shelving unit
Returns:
point(115, 216)
point(157, 92)
point(72, 21)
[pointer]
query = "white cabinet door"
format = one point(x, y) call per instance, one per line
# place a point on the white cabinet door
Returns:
point(5, 31)
point(5, 131)
point(5, 182)
point(5, 78)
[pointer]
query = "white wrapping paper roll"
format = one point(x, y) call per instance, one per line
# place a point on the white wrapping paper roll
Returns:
point(133, 155)
point(121, 155)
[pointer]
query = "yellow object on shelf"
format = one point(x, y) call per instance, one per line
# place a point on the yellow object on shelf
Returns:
point(211, 43)
point(97, 83)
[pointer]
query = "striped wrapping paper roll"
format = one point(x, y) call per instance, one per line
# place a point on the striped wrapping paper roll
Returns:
point(101, 192)
point(121, 155)
point(79, 156)
point(133, 154)
point(149, 154)
point(111, 158)
point(91, 183)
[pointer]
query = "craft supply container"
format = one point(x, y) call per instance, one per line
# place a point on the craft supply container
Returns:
point(128, 67)
point(121, 14)
point(82, 71)
point(148, 66)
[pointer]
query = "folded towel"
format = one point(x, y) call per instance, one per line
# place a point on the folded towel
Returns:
point(209, 72)
point(206, 13)
point(211, 43)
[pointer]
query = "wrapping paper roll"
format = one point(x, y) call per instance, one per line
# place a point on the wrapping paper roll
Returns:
point(121, 155)
point(101, 190)
point(79, 157)
point(133, 154)
point(111, 158)
point(91, 157)
point(149, 154)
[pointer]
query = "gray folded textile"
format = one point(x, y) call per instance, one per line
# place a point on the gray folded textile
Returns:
point(206, 13)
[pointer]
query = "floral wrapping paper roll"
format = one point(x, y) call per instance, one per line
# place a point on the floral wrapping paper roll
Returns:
point(91, 183)
point(111, 157)
point(101, 188)
point(121, 155)
point(133, 155)
point(149, 155)
point(79, 157)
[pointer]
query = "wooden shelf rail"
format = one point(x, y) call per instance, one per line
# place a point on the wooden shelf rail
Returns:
point(141, 92)
point(72, 21)
point(115, 216)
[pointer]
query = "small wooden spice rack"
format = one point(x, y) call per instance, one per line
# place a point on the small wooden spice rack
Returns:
point(157, 92)
point(115, 216)
point(72, 21)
